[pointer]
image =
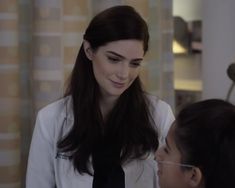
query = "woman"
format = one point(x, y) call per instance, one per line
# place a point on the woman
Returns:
point(199, 150)
point(104, 131)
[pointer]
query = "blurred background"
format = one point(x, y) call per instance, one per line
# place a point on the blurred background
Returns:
point(192, 44)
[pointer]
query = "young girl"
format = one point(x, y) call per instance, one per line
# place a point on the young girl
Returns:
point(105, 130)
point(200, 148)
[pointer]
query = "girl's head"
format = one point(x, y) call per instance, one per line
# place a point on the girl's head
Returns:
point(199, 150)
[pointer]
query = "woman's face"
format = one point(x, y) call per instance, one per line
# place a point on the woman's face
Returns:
point(170, 172)
point(116, 65)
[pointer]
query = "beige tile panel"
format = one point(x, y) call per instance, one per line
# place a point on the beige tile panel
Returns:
point(144, 77)
point(47, 13)
point(9, 174)
point(9, 105)
point(140, 5)
point(8, 5)
point(153, 54)
point(9, 157)
point(47, 26)
point(6, 25)
point(76, 8)
point(47, 46)
point(67, 74)
point(75, 26)
point(11, 185)
point(9, 84)
point(10, 144)
point(9, 123)
point(70, 54)
point(166, 24)
point(47, 75)
point(9, 55)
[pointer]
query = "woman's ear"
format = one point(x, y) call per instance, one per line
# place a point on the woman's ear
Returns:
point(195, 177)
point(87, 49)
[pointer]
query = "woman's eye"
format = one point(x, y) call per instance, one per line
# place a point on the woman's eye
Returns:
point(135, 64)
point(113, 59)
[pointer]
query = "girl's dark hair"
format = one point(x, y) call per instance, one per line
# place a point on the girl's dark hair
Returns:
point(205, 135)
point(129, 125)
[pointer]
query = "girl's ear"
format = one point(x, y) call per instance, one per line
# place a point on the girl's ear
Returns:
point(195, 177)
point(87, 49)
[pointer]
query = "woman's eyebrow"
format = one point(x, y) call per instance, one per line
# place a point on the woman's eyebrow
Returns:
point(120, 56)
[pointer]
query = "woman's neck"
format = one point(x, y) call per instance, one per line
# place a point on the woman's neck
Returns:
point(106, 105)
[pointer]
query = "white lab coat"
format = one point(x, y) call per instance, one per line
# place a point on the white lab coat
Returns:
point(48, 169)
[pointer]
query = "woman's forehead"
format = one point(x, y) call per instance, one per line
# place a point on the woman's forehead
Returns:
point(127, 48)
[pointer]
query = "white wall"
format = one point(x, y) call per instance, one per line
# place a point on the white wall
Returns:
point(218, 47)
point(187, 67)
point(188, 9)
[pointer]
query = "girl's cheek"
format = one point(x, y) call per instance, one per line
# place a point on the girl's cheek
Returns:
point(159, 154)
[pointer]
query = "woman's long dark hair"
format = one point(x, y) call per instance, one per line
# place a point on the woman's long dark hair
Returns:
point(205, 135)
point(129, 125)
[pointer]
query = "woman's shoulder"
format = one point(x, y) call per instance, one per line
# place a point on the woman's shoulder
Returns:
point(54, 114)
point(157, 104)
point(57, 108)
point(160, 109)
point(50, 121)
point(162, 115)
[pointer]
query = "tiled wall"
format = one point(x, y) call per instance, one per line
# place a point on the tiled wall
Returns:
point(9, 95)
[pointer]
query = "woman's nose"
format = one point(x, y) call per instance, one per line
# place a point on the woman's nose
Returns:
point(123, 71)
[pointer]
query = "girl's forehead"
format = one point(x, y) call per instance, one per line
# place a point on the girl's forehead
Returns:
point(172, 129)
point(171, 136)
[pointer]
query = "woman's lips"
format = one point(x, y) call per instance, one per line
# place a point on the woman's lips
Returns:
point(118, 84)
